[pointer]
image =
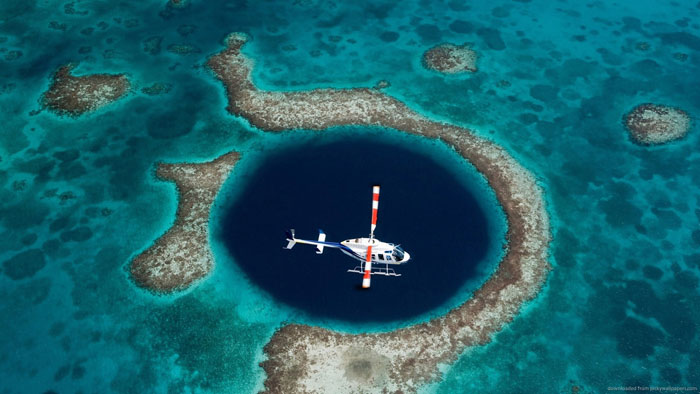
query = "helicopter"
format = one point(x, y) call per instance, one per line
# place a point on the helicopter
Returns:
point(377, 256)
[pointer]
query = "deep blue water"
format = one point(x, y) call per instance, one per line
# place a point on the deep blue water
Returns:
point(78, 197)
point(328, 185)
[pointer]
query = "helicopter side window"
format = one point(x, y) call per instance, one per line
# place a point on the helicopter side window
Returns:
point(388, 257)
point(381, 256)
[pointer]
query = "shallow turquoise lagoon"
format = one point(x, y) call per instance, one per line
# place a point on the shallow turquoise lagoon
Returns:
point(78, 197)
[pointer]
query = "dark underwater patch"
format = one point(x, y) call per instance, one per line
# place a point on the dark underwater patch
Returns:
point(389, 36)
point(687, 279)
point(492, 38)
point(381, 11)
point(651, 272)
point(24, 265)
point(39, 166)
point(639, 380)
point(59, 224)
point(61, 372)
point(57, 329)
point(619, 212)
point(671, 375)
point(51, 247)
point(501, 11)
point(681, 38)
point(30, 293)
point(79, 234)
point(78, 371)
point(171, 124)
point(647, 68)
point(29, 239)
point(152, 45)
point(460, 26)
point(570, 70)
point(609, 57)
point(528, 118)
point(456, 5)
point(695, 236)
point(12, 9)
point(67, 155)
point(632, 23)
point(667, 218)
point(429, 33)
point(546, 93)
point(676, 317)
point(636, 339)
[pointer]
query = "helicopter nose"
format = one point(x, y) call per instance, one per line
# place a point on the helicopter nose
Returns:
point(406, 257)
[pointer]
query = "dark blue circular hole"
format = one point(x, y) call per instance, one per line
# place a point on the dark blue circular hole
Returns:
point(422, 206)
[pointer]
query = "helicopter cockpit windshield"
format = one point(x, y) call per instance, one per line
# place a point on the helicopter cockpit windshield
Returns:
point(398, 253)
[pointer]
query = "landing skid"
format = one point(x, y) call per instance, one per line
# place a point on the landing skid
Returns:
point(386, 271)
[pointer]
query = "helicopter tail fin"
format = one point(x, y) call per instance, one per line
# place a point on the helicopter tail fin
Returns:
point(290, 238)
point(321, 238)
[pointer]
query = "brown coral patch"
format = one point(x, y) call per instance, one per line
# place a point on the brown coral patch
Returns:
point(74, 96)
point(652, 124)
point(450, 59)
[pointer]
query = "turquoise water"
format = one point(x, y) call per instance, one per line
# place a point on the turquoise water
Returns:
point(555, 78)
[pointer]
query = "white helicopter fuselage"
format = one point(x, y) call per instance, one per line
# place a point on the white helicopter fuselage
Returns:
point(382, 252)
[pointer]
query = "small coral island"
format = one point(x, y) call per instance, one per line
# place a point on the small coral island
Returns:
point(182, 255)
point(75, 95)
point(652, 124)
point(450, 59)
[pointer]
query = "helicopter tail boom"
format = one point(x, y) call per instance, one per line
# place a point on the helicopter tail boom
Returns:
point(320, 244)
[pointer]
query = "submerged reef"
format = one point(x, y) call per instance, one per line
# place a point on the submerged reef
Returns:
point(182, 255)
point(652, 124)
point(177, 3)
point(157, 88)
point(302, 358)
point(450, 59)
point(74, 96)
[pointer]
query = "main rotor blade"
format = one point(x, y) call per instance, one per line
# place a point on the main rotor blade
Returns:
point(375, 207)
point(368, 268)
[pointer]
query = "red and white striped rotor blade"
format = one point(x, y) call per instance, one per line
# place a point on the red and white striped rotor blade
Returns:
point(368, 268)
point(375, 207)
